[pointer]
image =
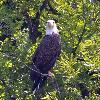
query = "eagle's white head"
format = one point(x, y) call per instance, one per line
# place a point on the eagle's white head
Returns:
point(51, 27)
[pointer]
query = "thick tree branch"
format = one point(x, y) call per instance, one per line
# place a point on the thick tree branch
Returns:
point(28, 19)
point(30, 26)
point(34, 23)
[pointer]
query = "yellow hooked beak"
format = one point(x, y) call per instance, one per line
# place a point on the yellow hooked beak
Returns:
point(50, 25)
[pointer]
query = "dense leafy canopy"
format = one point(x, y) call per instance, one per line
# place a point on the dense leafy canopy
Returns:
point(77, 71)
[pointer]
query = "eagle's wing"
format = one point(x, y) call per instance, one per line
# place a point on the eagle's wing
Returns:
point(47, 52)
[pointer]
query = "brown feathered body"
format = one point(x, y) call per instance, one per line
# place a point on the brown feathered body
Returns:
point(44, 58)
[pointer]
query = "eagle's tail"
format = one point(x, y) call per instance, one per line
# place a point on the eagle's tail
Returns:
point(38, 83)
point(37, 78)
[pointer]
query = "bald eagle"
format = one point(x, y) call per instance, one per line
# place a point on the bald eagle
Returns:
point(45, 55)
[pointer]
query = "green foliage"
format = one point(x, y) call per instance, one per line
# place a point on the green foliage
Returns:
point(78, 24)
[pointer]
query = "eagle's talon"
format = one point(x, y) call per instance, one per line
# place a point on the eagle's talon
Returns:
point(51, 75)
